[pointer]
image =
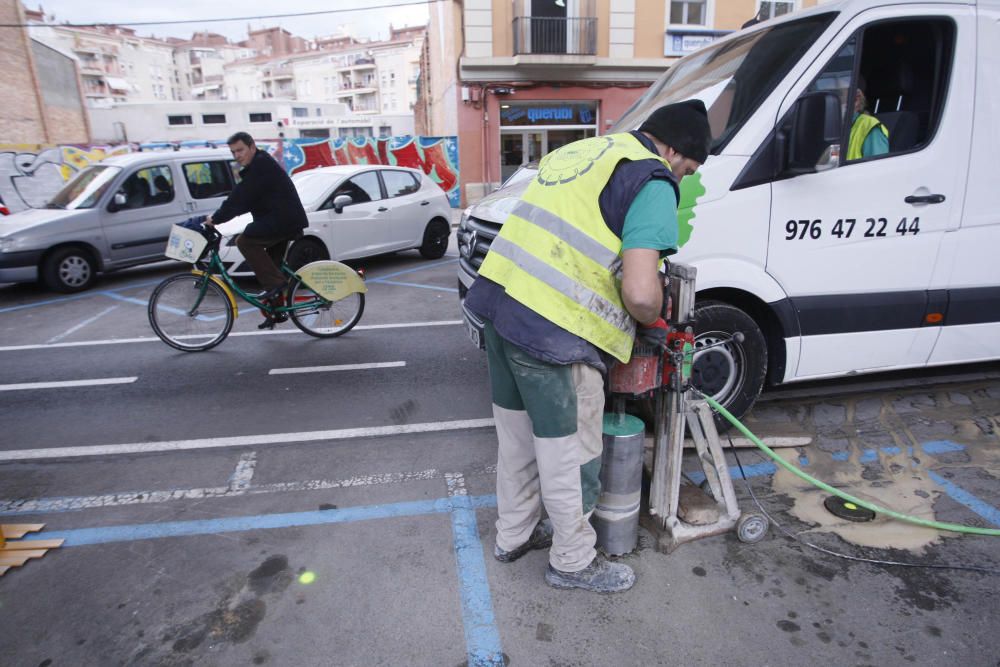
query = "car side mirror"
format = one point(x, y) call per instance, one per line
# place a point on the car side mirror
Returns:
point(813, 134)
point(340, 201)
point(118, 202)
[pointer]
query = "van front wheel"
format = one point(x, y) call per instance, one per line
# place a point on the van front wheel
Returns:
point(69, 269)
point(732, 373)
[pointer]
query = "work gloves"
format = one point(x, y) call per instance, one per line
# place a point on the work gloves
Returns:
point(653, 334)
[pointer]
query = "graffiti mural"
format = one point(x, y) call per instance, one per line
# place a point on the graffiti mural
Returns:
point(435, 156)
point(31, 174)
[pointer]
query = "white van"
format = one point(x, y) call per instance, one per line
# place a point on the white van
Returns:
point(829, 265)
point(113, 214)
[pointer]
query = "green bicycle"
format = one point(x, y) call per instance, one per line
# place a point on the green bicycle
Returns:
point(195, 311)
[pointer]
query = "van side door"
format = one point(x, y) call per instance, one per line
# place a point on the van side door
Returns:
point(208, 183)
point(854, 241)
point(137, 230)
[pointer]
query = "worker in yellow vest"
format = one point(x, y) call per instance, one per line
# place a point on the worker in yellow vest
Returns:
point(572, 273)
point(868, 136)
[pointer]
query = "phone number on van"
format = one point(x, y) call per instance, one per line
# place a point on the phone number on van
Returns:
point(799, 230)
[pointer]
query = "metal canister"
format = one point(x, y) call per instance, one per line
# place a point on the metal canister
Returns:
point(616, 517)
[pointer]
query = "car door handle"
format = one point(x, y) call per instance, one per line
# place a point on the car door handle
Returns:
point(382, 209)
point(425, 203)
point(924, 199)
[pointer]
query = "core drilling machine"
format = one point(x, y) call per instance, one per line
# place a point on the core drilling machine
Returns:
point(663, 376)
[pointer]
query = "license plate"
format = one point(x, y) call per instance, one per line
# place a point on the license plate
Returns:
point(474, 334)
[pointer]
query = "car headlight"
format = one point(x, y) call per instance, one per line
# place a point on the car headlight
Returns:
point(465, 216)
point(7, 243)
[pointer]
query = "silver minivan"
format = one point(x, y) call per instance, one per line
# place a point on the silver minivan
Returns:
point(113, 214)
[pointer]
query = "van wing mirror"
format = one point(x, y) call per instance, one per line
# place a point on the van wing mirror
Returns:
point(118, 202)
point(340, 201)
point(813, 138)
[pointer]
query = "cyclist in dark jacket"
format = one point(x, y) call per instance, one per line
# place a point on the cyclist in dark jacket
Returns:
point(267, 193)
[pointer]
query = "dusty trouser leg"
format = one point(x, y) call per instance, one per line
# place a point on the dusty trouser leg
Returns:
point(563, 405)
point(256, 250)
point(519, 502)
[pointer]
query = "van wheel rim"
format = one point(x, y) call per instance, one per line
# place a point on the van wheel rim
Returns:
point(715, 372)
point(74, 271)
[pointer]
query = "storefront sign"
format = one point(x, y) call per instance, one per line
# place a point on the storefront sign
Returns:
point(568, 113)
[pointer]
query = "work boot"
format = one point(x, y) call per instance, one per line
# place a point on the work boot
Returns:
point(600, 576)
point(541, 538)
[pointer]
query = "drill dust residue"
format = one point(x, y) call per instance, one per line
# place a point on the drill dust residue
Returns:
point(902, 485)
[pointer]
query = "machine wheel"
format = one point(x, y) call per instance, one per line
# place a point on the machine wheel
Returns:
point(186, 319)
point(69, 269)
point(331, 318)
point(305, 251)
point(435, 239)
point(732, 374)
point(752, 528)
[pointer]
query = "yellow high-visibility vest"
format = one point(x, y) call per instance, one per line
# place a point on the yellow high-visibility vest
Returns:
point(556, 255)
point(863, 124)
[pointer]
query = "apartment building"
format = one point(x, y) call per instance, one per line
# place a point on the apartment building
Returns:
point(528, 76)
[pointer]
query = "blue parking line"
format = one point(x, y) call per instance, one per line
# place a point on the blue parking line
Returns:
point(77, 297)
point(959, 494)
point(411, 270)
point(481, 634)
point(454, 290)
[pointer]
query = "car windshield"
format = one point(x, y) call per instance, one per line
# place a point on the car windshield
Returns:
point(86, 189)
point(312, 185)
point(732, 78)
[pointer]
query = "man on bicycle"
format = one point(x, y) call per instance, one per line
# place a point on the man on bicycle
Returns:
point(267, 193)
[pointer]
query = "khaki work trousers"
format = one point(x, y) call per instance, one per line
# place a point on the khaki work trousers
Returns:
point(549, 430)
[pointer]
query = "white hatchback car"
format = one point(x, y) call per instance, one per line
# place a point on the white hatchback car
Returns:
point(358, 211)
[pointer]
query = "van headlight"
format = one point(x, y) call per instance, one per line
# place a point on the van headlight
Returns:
point(7, 243)
point(465, 216)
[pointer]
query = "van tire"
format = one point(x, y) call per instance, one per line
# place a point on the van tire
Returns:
point(733, 374)
point(305, 251)
point(69, 269)
point(435, 239)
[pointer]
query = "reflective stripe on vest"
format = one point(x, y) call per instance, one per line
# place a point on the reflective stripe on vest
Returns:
point(863, 124)
point(555, 254)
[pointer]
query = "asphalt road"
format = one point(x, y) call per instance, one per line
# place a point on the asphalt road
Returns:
point(216, 513)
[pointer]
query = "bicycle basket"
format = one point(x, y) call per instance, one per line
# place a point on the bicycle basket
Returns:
point(185, 244)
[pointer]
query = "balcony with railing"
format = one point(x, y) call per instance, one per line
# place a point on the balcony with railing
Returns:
point(555, 34)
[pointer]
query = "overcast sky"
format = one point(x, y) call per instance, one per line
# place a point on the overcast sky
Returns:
point(368, 23)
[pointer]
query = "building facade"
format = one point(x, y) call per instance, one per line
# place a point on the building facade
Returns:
point(533, 75)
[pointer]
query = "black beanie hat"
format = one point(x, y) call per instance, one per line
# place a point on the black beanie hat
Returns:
point(682, 126)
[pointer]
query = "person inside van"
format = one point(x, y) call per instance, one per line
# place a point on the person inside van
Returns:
point(868, 135)
point(267, 193)
point(570, 282)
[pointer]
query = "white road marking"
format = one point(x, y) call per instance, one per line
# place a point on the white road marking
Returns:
point(79, 326)
point(281, 332)
point(72, 503)
point(66, 383)
point(342, 367)
point(241, 479)
point(240, 440)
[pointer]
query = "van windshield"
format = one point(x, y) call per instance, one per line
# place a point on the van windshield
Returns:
point(86, 189)
point(732, 78)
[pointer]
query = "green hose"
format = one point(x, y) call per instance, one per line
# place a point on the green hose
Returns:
point(954, 527)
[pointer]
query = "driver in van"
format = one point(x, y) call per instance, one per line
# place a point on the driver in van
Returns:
point(868, 135)
point(268, 194)
point(572, 273)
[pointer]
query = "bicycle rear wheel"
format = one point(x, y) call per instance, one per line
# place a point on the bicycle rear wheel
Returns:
point(327, 319)
point(184, 319)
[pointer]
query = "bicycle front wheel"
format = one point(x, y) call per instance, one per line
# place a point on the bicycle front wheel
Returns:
point(324, 319)
point(188, 315)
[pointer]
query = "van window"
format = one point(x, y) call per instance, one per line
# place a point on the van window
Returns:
point(891, 78)
point(149, 186)
point(86, 188)
point(399, 183)
point(732, 77)
point(208, 179)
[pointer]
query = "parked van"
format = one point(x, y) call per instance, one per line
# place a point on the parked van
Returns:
point(113, 214)
point(831, 259)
